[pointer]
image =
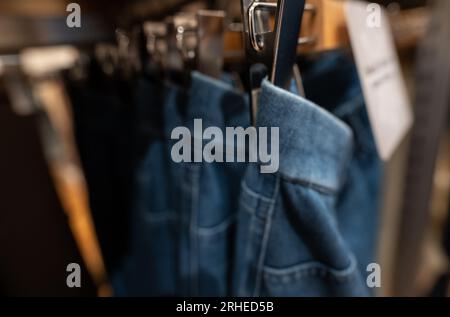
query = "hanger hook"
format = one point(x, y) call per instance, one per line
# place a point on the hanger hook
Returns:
point(257, 44)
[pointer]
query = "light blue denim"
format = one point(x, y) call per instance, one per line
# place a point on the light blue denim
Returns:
point(309, 229)
point(359, 200)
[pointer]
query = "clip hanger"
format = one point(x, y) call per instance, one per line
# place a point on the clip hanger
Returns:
point(257, 32)
point(107, 57)
point(155, 34)
point(210, 42)
point(188, 41)
point(276, 48)
point(260, 35)
point(181, 42)
point(287, 27)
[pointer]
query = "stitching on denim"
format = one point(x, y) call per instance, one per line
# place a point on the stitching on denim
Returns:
point(252, 210)
point(222, 227)
point(254, 194)
point(185, 223)
point(311, 269)
point(241, 290)
point(194, 174)
point(317, 187)
point(265, 240)
point(246, 207)
point(248, 249)
point(171, 216)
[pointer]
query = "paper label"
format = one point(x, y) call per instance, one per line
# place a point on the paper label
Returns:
point(381, 78)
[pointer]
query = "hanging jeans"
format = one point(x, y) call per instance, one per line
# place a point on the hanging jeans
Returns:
point(103, 122)
point(184, 213)
point(308, 229)
point(359, 200)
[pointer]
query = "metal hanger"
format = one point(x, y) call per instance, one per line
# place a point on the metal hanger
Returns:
point(275, 49)
point(287, 27)
point(210, 39)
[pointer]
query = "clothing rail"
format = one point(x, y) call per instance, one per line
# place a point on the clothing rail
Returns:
point(21, 32)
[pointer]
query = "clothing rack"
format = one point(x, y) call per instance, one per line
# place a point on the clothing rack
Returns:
point(324, 26)
point(219, 41)
point(19, 33)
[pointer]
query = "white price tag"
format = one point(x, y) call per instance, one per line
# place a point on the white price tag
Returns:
point(379, 69)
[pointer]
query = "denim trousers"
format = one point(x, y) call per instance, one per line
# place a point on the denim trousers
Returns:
point(103, 110)
point(310, 228)
point(217, 229)
point(184, 213)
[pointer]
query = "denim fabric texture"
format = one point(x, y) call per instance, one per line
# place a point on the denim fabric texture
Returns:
point(359, 200)
point(220, 229)
point(136, 274)
point(309, 229)
point(184, 213)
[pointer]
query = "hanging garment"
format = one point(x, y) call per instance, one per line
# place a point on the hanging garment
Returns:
point(184, 213)
point(103, 114)
point(359, 200)
point(149, 265)
point(304, 230)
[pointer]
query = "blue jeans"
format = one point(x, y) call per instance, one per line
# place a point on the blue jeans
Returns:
point(184, 215)
point(359, 200)
point(302, 231)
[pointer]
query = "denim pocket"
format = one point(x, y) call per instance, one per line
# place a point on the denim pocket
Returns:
point(289, 243)
point(153, 269)
point(305, 254)
point(158, 249)
point(214, 210)
point(215, 253)
point(255, 207)
point(313, 279)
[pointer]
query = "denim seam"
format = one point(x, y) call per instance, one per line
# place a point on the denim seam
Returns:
point(311, 269)
point(184, 222)
point(247, 253)
point(248, 209)
point(256, 195)
point(223, 226)
point(249, 245)
point(162, 217)
point(265, 240)
point(320, 188)
point(194, 171)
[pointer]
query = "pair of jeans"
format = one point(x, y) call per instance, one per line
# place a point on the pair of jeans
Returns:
point(103, 112)
point(359, 200)
point(147, 153)
point(184, 213)
point(301, 231)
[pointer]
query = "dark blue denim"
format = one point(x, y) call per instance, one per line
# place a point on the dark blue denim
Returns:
point(359, 201)
point(103, 113)
point(211, 191)
point(184, 215)
point(308, 229)
point(135, 277)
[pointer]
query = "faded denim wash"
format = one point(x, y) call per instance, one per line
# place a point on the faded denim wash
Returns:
point(359, 200)
point(309, 229)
